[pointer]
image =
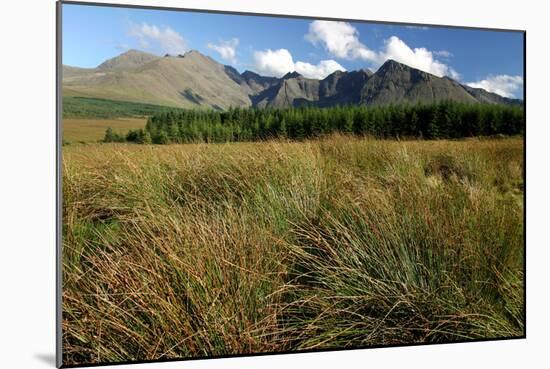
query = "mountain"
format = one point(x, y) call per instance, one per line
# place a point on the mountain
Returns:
point(291, 90)
point(189, 80)
point(128, 60)
point(398, 83)
point(194, 80)
point(484, 96)
point(258, 83)
point(341, 88)
point(395, 83)
point(252, 82)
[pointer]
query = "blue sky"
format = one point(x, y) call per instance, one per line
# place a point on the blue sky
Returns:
point(273, 46)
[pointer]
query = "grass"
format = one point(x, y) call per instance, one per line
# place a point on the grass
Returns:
point(95, 108)
point(197, 250)
point(93, 130)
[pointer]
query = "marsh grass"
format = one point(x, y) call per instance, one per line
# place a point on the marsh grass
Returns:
point(216, 249)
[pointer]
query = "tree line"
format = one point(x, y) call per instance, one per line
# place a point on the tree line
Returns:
point(431, 121)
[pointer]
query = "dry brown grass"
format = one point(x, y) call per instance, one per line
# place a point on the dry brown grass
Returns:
point(93, 130)
point(199, 250)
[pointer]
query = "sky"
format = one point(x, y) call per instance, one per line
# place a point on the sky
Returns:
point(273, 46)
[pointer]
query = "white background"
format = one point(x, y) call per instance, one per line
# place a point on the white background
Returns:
point(27, 182)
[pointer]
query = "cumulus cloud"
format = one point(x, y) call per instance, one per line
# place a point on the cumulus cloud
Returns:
point(165, 40)
point(273, 62)
point(226, 49)
point(279, 62)
point(503, 85)
point(319, 71)
point(341, 40)
point(419, 58)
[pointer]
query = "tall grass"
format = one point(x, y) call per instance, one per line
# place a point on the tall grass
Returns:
point(199, 250)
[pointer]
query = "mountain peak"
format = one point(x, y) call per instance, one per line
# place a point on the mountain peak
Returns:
point(292, 75)
point(129, 59)
point(391, 64)
point(334, 76)
point(191, 77)
point(135, 52)
point(248, 74)
point(396, 70)
point(193, 53)
point(256, 82)
point(366, 71)
point(198, 57)
point(188, 54)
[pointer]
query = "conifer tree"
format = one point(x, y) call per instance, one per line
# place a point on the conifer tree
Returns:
point(109, 135)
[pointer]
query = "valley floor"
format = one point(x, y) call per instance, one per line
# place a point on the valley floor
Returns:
point(84, 130)
point(214, 249)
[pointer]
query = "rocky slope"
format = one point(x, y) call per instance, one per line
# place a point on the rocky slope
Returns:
point(195, 80)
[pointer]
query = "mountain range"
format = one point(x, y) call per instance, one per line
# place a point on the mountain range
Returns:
point(194, 80)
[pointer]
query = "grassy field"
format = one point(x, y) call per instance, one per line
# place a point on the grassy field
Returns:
point(89, 107)
point(198, 250)
point(93, 130)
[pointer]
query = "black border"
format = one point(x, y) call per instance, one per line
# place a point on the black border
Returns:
point(59, 196)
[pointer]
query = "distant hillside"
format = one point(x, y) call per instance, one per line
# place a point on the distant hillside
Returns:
point(84, 107)
point(484, 96)
point(194, 80)
point(128, 60)
point(187, 81)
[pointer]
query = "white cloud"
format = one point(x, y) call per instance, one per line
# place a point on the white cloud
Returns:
point(166, 40)
point(273, 62)
point(419, 58)
point(341, 40)
point(279, 62)
point(319, 71)
point(226, 49)
point(503, 85)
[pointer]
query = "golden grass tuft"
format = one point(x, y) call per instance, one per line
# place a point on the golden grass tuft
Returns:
point(214, 249)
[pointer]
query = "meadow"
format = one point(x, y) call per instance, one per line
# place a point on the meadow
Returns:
point(86, 130)
point(177, 251)
point(89, 107)
point(85, 119)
